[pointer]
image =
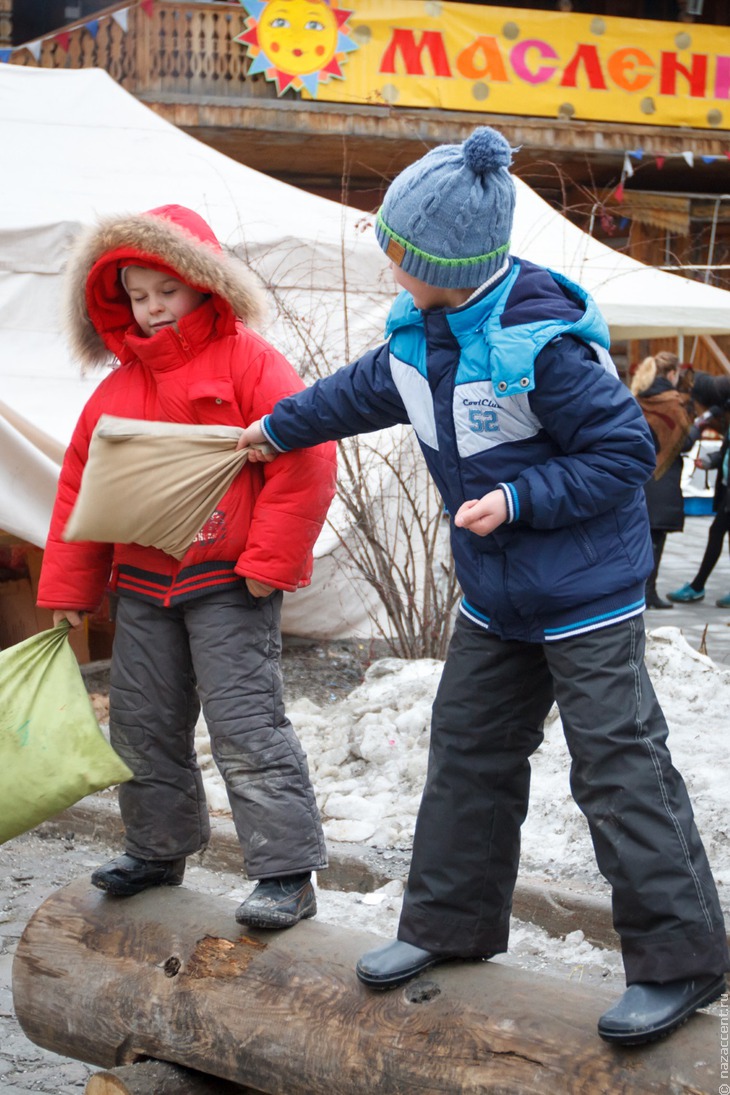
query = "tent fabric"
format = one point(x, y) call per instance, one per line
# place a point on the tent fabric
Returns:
point(153, 483)
point(79, 147)
point(82, 148)
point(27, 486)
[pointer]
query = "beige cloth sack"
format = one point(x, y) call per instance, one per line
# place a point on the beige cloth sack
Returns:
point(153, 483)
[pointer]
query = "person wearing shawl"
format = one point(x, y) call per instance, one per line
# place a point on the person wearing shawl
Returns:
point(668, 415)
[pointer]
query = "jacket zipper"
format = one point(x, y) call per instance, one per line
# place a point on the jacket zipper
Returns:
point(188, 354)
point(176, 571)
point(184, 346)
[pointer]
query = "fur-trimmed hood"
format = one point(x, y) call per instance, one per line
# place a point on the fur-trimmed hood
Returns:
point(98, 312)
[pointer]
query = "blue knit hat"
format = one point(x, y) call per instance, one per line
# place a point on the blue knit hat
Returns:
point(447, 218)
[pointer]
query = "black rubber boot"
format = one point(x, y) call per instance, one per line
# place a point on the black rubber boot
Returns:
point(647, 1012)
point(128, 875)
point(279, 902)
point(653, 600)
point(395, 963)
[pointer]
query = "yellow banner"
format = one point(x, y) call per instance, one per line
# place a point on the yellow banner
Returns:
point(423, 53)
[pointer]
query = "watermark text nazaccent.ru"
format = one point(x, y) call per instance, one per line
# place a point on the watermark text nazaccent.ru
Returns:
point(724, 1088)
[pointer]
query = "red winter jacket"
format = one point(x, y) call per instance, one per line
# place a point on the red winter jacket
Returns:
point(215, 370)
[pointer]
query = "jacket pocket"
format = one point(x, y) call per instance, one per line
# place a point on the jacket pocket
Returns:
point(584, 542)
point(214, 399)
point(219, 389)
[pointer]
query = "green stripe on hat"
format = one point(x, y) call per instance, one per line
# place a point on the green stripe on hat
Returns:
point(471, 260)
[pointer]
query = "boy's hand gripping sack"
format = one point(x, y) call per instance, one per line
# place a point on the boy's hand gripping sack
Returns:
point(52, 751)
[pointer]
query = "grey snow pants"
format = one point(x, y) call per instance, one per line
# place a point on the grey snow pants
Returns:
point(223, 650)
point(487, 720)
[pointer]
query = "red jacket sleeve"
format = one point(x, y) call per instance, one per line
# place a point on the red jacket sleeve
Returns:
point(298, 489)
point(74, 575)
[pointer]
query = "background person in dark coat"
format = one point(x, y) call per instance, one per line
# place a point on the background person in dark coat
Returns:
point(668, 415)
point(712, 392)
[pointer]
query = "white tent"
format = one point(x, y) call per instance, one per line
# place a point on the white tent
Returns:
point(76, 146)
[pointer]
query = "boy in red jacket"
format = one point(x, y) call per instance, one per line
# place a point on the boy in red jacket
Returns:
point(156, 292)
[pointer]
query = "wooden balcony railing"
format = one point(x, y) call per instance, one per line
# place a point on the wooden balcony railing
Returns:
point(169, 48)
point(706, 354)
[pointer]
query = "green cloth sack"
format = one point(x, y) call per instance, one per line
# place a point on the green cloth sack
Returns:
point(52, 751)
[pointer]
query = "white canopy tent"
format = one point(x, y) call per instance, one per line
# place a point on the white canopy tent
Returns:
point(77, 146)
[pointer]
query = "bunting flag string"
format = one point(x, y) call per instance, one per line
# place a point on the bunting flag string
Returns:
point(63, 37)
point(638, 154)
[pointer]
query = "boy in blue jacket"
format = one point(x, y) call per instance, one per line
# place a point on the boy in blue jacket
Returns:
point(540, 454)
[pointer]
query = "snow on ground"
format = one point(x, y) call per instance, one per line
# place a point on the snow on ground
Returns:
point(367, 757)
point(368, 753)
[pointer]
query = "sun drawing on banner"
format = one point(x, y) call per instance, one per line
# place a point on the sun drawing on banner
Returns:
point(296, 43)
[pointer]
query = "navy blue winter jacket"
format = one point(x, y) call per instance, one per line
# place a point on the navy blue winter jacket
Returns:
point(514, 389)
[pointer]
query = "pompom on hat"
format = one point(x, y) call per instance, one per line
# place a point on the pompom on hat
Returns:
point(447, 218)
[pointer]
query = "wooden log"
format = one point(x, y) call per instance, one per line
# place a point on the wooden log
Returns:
point(169, 975)
point(160, 1078)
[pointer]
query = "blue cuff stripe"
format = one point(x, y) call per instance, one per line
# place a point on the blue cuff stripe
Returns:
point(271, 436)
point(513, 502)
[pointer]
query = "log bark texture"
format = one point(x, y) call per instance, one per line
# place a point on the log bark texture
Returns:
point(160, 1078)
point(169, 975)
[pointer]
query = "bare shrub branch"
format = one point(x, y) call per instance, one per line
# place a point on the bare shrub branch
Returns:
point(388, 520)
point(396, 537)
